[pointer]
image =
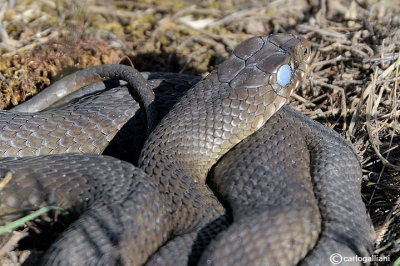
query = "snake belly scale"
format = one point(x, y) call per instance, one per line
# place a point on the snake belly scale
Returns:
point(273, 172)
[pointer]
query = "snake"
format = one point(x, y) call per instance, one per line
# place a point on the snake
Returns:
point(228, 175)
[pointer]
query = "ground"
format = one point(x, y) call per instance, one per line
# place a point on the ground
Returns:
point(353, 86)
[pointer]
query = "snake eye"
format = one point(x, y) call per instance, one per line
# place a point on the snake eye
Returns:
point(284, 75)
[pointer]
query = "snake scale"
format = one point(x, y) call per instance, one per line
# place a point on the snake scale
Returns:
point(284, 189)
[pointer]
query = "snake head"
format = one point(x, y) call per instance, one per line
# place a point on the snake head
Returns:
point(261, 74)
point(278, 61)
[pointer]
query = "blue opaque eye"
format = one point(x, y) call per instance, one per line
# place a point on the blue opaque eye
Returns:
point(284, 75)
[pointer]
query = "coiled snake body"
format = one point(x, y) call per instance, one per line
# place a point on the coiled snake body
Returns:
point(290, 185)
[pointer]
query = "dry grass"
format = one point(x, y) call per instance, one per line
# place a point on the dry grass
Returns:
point(354, 86)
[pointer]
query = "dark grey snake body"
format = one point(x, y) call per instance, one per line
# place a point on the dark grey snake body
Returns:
point(292, 188)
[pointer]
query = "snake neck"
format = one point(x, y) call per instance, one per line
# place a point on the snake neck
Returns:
point(208, 121)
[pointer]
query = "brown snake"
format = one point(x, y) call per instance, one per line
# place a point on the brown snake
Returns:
point(290, 185)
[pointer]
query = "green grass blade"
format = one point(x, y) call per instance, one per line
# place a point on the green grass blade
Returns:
point(397, 262)
point(17, 223)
